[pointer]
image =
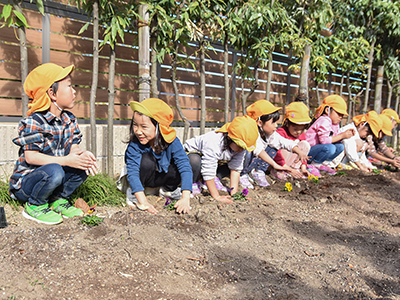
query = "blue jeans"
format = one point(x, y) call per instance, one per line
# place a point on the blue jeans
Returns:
point(322, 152)
point(49, 182)
point(251, 162)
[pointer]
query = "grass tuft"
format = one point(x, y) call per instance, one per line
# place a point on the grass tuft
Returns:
point(100, 189)
point(5, 196)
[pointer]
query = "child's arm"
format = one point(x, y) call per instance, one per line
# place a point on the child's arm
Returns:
point(75, 159)
point(145, 205)
point(302, 156)
point(214, 192)
point(344, 135)
point(394, 162)
point(235, 175)
point(265, 157)
point(303, 169)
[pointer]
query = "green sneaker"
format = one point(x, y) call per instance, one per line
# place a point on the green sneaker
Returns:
point(41, 214)
point(63, 207)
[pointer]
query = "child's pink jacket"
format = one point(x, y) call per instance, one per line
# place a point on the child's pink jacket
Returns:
point(322, 131)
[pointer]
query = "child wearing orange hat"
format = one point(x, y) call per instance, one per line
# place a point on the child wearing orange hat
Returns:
point(377, 147)
point(323, 135)
point(268, 143)
point(155, 157)
point(50, 165)
point(294, 125)
point(354, 149)
point(220, 153)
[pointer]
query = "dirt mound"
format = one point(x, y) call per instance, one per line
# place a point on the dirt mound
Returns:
point(338, 239)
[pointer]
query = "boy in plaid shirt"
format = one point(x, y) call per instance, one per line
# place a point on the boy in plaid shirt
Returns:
point(50, 165)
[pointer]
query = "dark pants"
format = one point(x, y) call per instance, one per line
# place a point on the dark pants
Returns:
point(195, 162)
point(252, 162)
point(150, 177)
point(50, 182)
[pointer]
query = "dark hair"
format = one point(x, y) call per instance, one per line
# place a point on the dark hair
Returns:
point(369, 129)
point(315, 119)
point(288, 123)
point(54, 87)
point(265, 118)
point(159, 143)
point(226, 142)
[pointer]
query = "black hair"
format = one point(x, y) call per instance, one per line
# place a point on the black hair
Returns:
point(226, 141)
point(288, 123)
point(54, 87)
point(369, 129)
point(315, 119)
point(265, 118)
point(159, 143)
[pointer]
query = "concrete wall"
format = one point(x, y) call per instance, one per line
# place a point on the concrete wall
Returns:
point(9, 151)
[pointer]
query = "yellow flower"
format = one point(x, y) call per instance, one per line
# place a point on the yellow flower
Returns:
point(288, 187)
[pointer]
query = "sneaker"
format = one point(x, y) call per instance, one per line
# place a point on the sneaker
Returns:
point(259, 178)
point(245, 181)
point(313, 170)
point(196, 188)
point(41, 214)
point(173, 195)
point(219, 185)
point(326, 169)
point(63, 207)
point(279, 174)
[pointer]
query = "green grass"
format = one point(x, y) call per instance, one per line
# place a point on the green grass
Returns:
point(100, 189)
point(91, 220)
point(5, 196)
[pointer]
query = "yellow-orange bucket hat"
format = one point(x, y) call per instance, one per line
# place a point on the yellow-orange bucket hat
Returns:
point(386, 124)
point(373, 119)
point(298, 113)
point(260, 108)
point(392, 114)
point(334, 101)
point(39, 80)
point(159, 111)
point(243, 131)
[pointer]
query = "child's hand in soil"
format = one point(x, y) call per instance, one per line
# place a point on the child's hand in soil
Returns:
point(183, 204)
point(295, 173)
point(224, 199)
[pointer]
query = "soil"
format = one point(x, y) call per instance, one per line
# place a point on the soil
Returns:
point(338, 239)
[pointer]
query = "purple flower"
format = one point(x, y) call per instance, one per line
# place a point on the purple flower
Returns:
point(168, 202)
point(245, 192)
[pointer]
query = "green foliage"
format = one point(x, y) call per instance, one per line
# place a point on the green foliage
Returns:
point(376, 171)
point(100, 189)
point(341, 173)
point(5, 196)
point(169, 204)
point(91, 220)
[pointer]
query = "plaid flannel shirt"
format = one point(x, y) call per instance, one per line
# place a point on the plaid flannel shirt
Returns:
point(46, 133)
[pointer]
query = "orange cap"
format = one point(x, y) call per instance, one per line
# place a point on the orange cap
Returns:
point(261, 108)
point(373, 119)
point(243, 131)
point(392, 114)
point(387, 124)
point(298, 113)
point(334, 101)
point(39, 80)
point(159, 111)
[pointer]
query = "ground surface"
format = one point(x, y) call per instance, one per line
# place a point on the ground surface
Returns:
point(338, 239)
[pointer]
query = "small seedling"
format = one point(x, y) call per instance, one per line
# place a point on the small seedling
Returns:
point(240, 196)
point(341, 173)
point(376, 171)
point(91, 220)
point(169, 204)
